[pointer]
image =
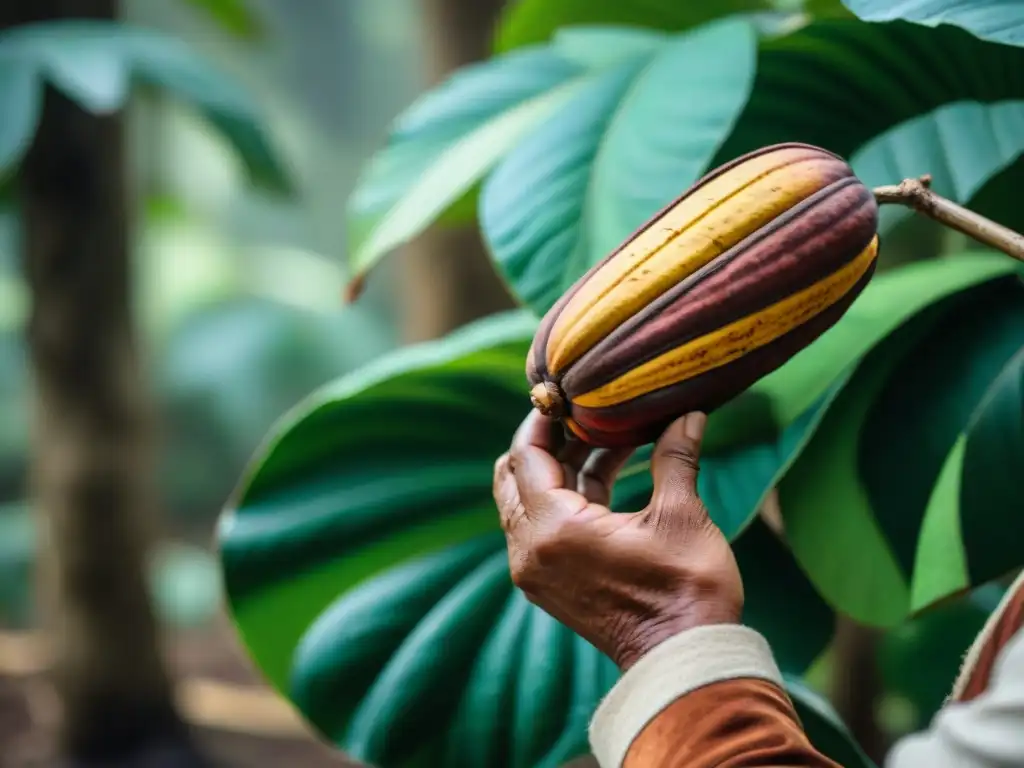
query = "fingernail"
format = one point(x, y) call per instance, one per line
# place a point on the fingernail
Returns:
point(694, 426)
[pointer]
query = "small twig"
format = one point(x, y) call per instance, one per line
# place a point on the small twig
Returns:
point(917, 195)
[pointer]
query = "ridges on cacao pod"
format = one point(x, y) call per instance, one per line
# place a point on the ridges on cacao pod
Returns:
point(718, 289)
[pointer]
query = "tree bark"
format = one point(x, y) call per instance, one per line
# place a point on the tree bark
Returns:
point(857, 685)
point(91, 473)
point(447, 279)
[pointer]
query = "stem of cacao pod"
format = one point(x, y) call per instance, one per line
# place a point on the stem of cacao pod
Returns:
point(548, 399)
point(918, 195)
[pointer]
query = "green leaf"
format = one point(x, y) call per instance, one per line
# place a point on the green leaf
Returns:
point(20, 104)
point(990, 479)
point(827, 514)
point(951, 414)
point(447, 141)
point(362, 536)
point(76, 57)
point(94, 63)
point(779, 601)
point(940, 562)
point(889, 301)
point(860, 552)
point(232, 15)
point(543, 692)
point(996, 20)
point(393, 484)
point(590, 668)
point(962, 145)
point(478, 736)
point(536, 21)
point(828, 520)
point(868, 78)
point(417, 690)
point(826, 9)
point(227, 371)
point(614, 154)
point(920, 658)
point(342, 652)
point(539, 206)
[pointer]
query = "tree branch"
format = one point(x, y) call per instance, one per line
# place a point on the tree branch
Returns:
point(918, 195)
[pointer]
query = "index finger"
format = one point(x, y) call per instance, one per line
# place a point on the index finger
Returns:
point(533, 462)
point(538, 431)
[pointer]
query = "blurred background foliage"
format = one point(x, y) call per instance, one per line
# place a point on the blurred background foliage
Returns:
point(238, 291)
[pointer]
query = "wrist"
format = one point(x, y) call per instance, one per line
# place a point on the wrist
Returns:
point(724, 607)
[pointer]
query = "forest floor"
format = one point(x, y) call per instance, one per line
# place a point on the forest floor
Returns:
point(238, 720)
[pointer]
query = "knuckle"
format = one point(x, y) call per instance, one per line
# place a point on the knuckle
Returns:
point(681, 453)
point(522, 572)
point(548, 546)
point(501, 465)
point(516, 457)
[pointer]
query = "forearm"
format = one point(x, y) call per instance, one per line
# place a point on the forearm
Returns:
point(710, 697)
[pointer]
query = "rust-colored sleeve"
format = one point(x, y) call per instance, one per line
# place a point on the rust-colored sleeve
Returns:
point(710, 697)
point(740, 723)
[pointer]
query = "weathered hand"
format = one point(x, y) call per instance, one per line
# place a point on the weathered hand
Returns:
point(625, 582)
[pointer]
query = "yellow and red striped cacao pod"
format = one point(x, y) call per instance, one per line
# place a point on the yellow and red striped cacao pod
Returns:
point(721, 287)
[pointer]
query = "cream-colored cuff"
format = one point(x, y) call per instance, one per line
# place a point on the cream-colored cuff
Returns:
point(679, 665)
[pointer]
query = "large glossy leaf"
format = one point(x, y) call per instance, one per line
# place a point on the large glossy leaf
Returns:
point(450, 140)
point(526, 22)
point(1001, 21)
point(961, 145)
point(858, 538)
point(224, 375)
point(592, 133)
point(447, 141)
point(367, 575)
point(871, 78)
point(868, 78)
point(940, 448)
point(538, 206)
point(886, 304)
point(624, 146)
point(96, 62)
point(827, 517)
point(603, 129)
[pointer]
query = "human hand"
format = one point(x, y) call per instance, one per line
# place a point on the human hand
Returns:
point(623, 581)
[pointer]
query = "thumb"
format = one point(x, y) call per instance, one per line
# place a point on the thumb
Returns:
point(675, 461)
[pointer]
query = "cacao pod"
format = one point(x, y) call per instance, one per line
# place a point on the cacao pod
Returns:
point(721, 287)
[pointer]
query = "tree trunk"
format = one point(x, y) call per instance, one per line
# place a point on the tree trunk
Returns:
point(857, 685)
point(91, 475)
point(447, 278)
